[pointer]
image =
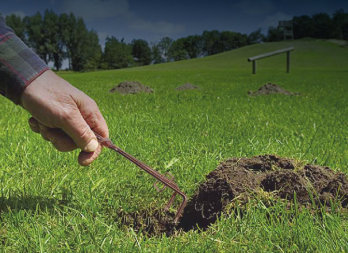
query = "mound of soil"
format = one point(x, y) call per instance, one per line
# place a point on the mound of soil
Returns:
point(270, 173)
point(187, 86)
point(242, 178)
point(131, 87)
point(271, 88)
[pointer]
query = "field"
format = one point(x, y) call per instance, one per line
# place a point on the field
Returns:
point(50, 204)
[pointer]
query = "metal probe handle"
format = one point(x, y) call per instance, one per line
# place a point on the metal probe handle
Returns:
point(106, 142)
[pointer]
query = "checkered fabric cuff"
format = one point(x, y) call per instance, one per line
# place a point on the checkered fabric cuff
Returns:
point(19, 65)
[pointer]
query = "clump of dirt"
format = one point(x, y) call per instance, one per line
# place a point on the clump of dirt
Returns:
point(187, 86)
point(242, 178)
point(131, 87)
point(271, 88)
point(270, 173)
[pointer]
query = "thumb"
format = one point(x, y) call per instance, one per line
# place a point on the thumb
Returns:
point(78, 129)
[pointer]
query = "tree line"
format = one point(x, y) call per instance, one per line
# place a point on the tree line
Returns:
point(320, 25)
point(58, 37)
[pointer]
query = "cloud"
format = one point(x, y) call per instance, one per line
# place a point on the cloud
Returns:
point(118, 11)
point(93, 9)
point(162, 28)
point(119, 15)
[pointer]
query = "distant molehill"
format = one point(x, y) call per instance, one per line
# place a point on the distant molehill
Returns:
point(271, 88)
point(131, 87)
point(187, 86)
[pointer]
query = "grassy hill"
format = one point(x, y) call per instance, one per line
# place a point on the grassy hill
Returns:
point(309, 53)
point(48, 203)
point(312, 59)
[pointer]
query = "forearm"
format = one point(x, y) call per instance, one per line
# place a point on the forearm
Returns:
point(19, 65)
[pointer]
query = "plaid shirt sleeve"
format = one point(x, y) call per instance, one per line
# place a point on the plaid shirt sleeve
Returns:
point(19, 65)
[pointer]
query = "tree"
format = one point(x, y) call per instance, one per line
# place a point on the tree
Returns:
point(211, 42)
point(231, 40)
point(303, 26)
point(216, 42)
point(256, 37)
point(53, 39)
point(340, 23)
point(193, 45)
point(79, 43)
point(164, 46)
point(17, 24)
point(274, 34)
point(156, 54)
point(92, 51)
point(141, 52)
point(117, 54)
point(79, 37)
point(82, 46)
point(177, 50)
point(66, 31)
point(323, 26)
point(36, 38)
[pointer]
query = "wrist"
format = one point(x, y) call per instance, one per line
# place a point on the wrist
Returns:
point(35, 86)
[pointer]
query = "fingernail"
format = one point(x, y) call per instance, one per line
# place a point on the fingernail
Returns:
point(91, 146)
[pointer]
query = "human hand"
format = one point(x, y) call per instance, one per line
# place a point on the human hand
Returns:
point(65, 116)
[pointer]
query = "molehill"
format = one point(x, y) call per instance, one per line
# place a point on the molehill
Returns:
point(130, 87)
point(242, 178)
point(271, 88)
point(187, 86)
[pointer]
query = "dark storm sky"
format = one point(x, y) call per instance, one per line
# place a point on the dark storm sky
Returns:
point(154, 19)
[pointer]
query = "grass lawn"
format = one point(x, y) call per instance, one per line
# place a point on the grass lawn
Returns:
point(50, 204)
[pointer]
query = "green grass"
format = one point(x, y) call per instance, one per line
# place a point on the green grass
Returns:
point(50, 204)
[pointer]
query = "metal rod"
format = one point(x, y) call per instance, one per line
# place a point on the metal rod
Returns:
point(288, 62)
point(167, 182)
point(270, 54)
point(261, 56)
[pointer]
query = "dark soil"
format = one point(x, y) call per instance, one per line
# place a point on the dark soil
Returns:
point(271, 88)
point(131, 87)
point(187, 86)
point(242, 178)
